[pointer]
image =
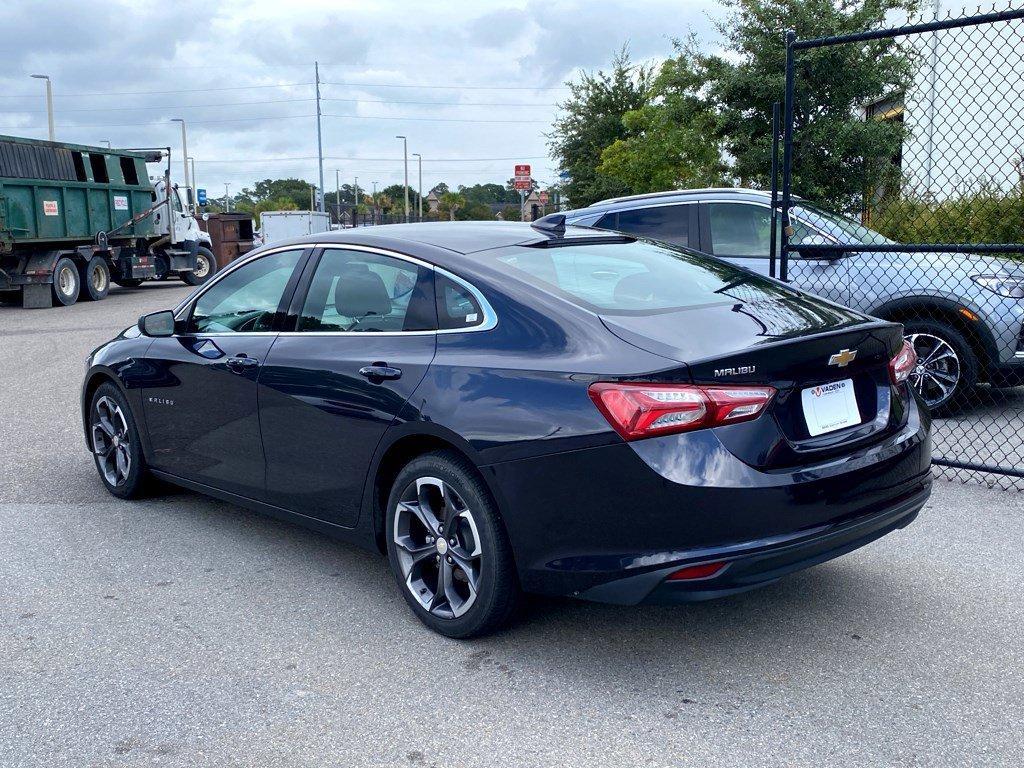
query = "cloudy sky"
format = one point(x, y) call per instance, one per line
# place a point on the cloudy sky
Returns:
point(472, 84)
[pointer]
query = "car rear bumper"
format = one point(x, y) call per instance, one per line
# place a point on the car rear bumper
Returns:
point(753, 564)
point(612, 523)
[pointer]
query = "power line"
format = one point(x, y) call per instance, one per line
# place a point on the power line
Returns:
point(169, 106)
point(190, 122)
point(375, 160)
point(449, 87)
point(429, 119)
point(154, 93)
point(439, 103)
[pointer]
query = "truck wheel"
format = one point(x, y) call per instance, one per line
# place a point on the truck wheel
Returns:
point(66, 282)
point(163, 269)
point(128, 282)
point(95, 279)
point(206, 266)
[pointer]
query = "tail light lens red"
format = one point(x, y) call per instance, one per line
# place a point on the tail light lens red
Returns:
point(700, 571)
point(904, 363)
point(644, 410)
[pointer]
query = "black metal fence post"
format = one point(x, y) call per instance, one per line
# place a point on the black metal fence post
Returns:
point(773, 242)
point(787, 155)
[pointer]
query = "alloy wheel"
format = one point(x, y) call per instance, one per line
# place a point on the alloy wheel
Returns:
point(438, 547)
point(937, 373)
point(110, 441)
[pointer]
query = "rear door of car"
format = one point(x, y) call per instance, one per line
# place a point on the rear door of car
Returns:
point(674, 223)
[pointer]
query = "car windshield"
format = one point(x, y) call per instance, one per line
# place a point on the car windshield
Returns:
point(841, 228)
point(637, 278)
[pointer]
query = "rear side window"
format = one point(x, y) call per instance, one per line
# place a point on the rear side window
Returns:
point(740, 229)
point(636, 278)
point(668, 223)
point(456, 305)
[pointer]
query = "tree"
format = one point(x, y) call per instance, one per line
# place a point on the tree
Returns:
point(591, 120)
point(450, 203)
point(296, 190)
point(397, 193)
point(837, 154)
point(673, 141)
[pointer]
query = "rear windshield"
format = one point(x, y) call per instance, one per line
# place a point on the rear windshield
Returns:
point(637, 278)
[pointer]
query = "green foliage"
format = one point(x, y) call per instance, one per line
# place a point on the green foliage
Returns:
point(295, 190)
point(836, 153)
point(672, 140)
point(488, 193)
point(271, 204)
point(450, 203)
point(396, 193)
point(983, 214)
point(591, 120)
point(474, 212)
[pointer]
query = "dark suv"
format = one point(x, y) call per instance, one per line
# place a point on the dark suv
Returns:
point(963, 313)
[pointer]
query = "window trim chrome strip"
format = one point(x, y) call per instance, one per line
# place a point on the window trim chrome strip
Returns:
point(488, 322)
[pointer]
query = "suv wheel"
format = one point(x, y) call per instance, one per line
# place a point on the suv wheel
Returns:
point(947, 368)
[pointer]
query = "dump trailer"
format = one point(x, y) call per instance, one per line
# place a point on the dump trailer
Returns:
point(73, 218)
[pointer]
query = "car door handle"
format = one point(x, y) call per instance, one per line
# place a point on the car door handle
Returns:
point(241, 363)
point(380, 371)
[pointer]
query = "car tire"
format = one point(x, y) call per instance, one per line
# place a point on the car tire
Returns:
point(116, 447)
point(206, 268)
point(128, 282)
point(947, 369)
point(462, 583)
point(67, 283)
point(95, 278)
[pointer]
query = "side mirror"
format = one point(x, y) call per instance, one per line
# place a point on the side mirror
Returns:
point(808, 248)
point(157, 323)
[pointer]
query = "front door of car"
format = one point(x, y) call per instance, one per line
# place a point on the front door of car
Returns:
point(202, 397)
point(362, 335)
point(740, 232)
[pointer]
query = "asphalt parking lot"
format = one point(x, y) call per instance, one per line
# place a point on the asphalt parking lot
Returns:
point(182, 630)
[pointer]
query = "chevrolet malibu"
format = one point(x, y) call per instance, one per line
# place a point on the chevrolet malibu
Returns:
point(506, 409)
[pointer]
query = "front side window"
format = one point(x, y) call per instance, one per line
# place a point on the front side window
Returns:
point(246, 299)
point(670, 224)
point(361, 291)
point(636, 278)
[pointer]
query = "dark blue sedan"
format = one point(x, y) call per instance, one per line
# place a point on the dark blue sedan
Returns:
point(505, 409)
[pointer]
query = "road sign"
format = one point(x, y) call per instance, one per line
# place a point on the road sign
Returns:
point(543, 198)
point(523, 169)
point(523, 184)
point(201, 196)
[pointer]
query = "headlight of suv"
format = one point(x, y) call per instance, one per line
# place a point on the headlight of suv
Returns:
point(1004, 285)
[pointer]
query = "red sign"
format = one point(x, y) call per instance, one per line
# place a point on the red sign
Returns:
point(523, 184)
point(543, 198)
point(523, 170)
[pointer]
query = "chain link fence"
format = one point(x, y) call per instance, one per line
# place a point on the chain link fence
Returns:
point(924, 221)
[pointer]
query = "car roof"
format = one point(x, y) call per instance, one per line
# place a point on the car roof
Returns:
point(670, 196)
point(453, 237)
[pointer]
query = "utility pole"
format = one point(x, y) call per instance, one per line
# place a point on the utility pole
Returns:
point(375, 206)
point(419, 202)
point(356, 192)
point(319, 137)
point(184, 160)
point(192, 165)
point(405, 154)
point(49, 103)
point(227, 198)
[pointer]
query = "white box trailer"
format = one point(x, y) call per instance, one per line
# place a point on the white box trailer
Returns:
point(281, 225)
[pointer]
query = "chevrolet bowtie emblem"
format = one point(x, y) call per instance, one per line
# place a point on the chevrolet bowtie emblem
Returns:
point(842, 358)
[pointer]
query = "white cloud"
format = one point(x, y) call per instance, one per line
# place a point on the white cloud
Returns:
point(187, 49)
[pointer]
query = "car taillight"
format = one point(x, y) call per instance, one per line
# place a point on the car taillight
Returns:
point(904, 363)
point(644, 410)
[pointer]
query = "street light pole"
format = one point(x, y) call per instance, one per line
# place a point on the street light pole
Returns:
point(337, 194)
point(375, 206)
point(405, 154)
point(356, 191)
point(419, 202)
point(227, 199)
point(107, 142)
point(49, 103)
point(184, 159)
point(192, 165)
